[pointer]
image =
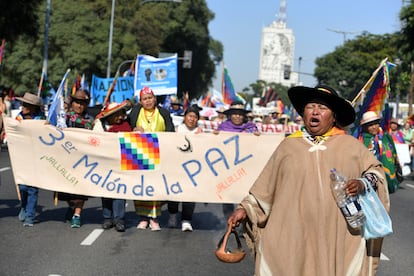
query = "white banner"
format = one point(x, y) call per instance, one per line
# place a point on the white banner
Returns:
point(139, 166)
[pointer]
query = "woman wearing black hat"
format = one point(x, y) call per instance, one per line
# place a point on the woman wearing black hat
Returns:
point(297, 227)
point(237, 120)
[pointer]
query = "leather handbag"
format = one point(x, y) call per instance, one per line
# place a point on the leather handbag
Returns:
point(230, 255)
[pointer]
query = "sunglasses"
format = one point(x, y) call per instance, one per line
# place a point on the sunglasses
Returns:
point(80, 101)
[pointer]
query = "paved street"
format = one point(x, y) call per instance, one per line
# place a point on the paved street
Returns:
point(51, 247)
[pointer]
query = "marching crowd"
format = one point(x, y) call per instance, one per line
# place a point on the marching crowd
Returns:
point(289, 210)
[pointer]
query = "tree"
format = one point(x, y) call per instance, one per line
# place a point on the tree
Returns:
point(350, 66)
point(78, 39)
point(17, 17)
point(406, 46)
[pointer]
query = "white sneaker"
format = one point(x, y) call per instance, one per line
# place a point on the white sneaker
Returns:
point(186, 226)
point(172, 221)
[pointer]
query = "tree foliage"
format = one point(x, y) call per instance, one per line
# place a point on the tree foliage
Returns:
point(350, 66)
point(17, 18)
point(406, 44)
point(79, 35)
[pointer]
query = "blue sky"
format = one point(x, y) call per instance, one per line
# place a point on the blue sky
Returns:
point(238, 25)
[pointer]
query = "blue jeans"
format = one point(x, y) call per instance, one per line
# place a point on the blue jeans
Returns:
point(28, 202)
point(113, 208)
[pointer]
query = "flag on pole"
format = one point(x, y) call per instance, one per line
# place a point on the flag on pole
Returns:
point(167, 101)
point(186, 101)
point(56, 115)
point(45, 90)
point(3, 42)
point(83, 83)
point(76, 84)
point(268, 95)
point(374, 97)
point(229, 95)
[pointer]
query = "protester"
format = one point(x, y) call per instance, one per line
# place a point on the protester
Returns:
point(236, 122)
point(296, 226)
point(176, 107)
point(77, 117)
point(382, 145)
point(31, 110)
point(407, 133)
point(113, 119)
point(221, 117)
point(299, 121)
point(148, 117)
point(6, 105)
point(396, 134)
point(408, 139)
point(189, 125)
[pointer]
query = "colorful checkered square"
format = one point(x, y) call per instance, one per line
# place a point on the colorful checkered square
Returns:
point(139, 151)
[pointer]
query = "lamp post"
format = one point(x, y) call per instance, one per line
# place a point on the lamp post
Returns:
point(398, 62)
point(111, 27)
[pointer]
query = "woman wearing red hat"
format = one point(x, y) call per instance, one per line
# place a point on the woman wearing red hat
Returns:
point(147, 116)
point(113, 119)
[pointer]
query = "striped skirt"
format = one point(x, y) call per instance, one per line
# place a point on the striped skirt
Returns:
point(150, 209)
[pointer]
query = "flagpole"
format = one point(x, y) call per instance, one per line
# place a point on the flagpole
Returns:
point(110, 90)
point(222, 80)
point(369, 81)
point(39, 89)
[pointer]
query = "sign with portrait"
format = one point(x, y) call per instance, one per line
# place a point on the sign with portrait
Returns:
point(160, 74)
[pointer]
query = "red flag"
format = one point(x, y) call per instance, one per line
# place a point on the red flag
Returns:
point(76, 84)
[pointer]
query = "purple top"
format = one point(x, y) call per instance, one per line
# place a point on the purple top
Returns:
point(230, 127)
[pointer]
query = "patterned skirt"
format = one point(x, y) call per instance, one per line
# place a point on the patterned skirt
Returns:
point(150, 209)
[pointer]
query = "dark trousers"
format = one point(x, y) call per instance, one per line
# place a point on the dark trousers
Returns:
point(113, 209)
point(186, 212)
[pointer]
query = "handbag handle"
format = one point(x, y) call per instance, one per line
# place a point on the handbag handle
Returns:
point(229, 256)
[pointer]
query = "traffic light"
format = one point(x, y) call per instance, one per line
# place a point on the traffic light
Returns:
point(188, 56)
point(286, 72)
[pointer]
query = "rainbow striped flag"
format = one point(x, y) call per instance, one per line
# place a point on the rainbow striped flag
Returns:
point(229, 95)
point(374, 97)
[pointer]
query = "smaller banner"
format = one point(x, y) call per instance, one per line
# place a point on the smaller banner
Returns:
point(124, 89)
point(160, 74)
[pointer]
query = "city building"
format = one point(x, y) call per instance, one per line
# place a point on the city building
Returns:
point(277, 52)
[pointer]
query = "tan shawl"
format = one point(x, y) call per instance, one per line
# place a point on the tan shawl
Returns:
point(297, 227)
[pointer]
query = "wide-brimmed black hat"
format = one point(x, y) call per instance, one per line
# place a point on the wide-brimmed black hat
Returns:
point(81, 95)
point(301, 95)
point(236, 107)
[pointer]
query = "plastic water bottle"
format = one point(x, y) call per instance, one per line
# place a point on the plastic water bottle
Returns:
point(349, 205)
